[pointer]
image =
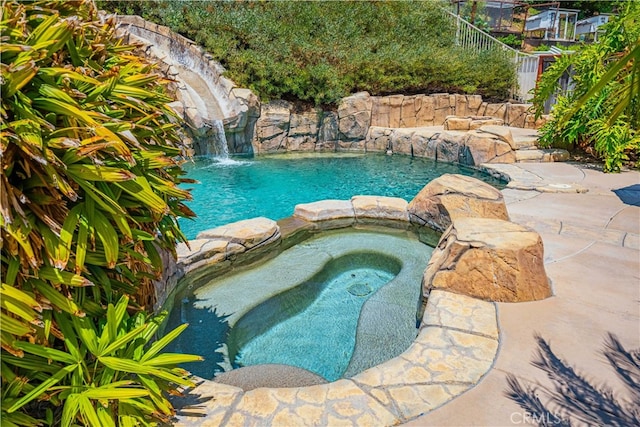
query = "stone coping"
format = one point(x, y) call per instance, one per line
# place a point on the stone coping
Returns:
point(521, 179)
point(456, 346)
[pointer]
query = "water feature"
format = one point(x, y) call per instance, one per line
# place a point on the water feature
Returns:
point(271, 186)
point(216, 146)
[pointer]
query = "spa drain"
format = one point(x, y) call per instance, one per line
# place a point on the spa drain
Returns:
point(359, 289)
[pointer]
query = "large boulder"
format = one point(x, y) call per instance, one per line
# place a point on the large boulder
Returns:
point(354, 116)
point(485, 147)
point(452, 196)
point(490, 259)
point(272, 127)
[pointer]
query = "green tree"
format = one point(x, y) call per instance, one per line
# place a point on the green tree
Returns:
point(587, 7)
point(320, 51)
point(602, 111)
point(89, 196)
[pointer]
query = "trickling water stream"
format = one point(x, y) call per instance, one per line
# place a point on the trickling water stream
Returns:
point(221, 145)
point(216, 145)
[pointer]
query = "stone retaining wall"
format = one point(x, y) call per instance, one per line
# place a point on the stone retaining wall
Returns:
point(280, 128)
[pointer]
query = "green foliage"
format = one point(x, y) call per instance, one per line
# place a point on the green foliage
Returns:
point(511, 40)
point(587, 7)
point(319, 52)
point(602, 112)
point(89, 197)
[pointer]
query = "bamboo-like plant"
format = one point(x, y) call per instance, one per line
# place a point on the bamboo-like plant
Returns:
point(89, 195)
point(602, 111)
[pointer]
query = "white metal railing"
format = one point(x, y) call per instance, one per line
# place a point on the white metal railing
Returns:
point(469, 36)
point(527, 72)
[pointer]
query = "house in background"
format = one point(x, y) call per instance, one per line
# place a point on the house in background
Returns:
point(587, 29)
point(553, 24)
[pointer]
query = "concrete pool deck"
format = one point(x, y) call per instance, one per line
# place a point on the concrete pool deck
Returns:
point(590, 226)
point(592, 256)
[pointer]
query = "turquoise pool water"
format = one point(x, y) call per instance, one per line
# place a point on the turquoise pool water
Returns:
point(312, 326)
point(271, 186)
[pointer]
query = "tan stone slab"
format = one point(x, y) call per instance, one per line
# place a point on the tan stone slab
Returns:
point(378, 207)
point(203, 249)
point(626, 219)
point(494, 232)
point(453, 356)
point(529, 155)
point(325, 210)
point(632, 241)
point(418, 399)
point(248, 233)
point(461, 312)
point(503, 132)
point(399, 370)
point(438, 355)
point(457, 123)
point(612, 237)
point(337, 403)
point(217, 400)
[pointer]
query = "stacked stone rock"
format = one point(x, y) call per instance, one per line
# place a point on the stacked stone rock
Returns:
point(280, 128)
point(481, 253)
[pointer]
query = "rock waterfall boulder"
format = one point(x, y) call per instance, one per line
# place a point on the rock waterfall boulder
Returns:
point(452, 196)
point(490, 259)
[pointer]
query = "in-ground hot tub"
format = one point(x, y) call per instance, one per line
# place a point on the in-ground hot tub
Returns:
point(335, 305)
point(313, 325)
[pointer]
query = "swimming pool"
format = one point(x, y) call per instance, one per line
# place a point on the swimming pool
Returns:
point(271, 186)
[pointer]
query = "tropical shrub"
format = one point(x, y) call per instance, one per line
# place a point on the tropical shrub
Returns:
point(319, 52)
point(602, 112)
point(89, 196)
point(511, 40)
